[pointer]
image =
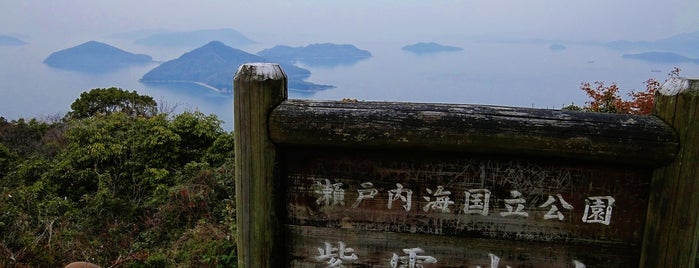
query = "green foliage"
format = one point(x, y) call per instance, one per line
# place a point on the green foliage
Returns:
point(105, 101)
point(117, 187)
point(6, 158)
point(197, 133)
point(202, 246)
point(34, 137)
point(117, 153)
point(221, 151)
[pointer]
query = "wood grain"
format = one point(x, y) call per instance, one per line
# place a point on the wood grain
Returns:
point(672, 232)
point(258, 89)
point(613, 138)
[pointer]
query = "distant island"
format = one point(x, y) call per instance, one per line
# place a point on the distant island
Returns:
point(429, 48)
point(195, 39)
point(557, 47)
point(214, 64)
point(137, 34)
point(6, 40)
point(686, 44)
point(326, 54)
point(94, 57)
point(660, 57)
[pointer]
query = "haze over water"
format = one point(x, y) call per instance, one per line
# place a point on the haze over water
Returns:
point(502, 62)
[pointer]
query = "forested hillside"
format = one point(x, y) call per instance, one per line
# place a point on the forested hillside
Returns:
point(117, 183)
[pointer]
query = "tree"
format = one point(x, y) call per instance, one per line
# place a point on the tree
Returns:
point(119, 153)
point(104, 101)
point(197, 133)
point(606, 99)
point(117, 185)
point(5, 160)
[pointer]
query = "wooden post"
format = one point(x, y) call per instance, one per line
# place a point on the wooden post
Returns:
point(671, 233)
point(258, 88)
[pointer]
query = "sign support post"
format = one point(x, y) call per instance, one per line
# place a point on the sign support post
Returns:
point(258, 88)
point(671, 233)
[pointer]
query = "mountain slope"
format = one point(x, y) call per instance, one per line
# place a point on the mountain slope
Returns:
point(214, 64)
point(6, 40)
point(195, 38)
point(686, 43)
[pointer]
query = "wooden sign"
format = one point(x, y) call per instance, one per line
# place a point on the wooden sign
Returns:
point(371, 184)
point(461, 210)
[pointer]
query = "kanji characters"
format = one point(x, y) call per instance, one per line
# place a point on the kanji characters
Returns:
point(554, 212)
point(335, 256)
point(517, 200)
point(441, 200)
point(397, 194)
point(477, 201)
point(494, 261)
point(367, 192)
point(412, 260)
point(598, 209)
point(331, 194)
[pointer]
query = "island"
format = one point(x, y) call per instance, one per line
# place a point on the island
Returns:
point(430, 48)
point(213, 66)
point(326, 54)
point(195, 39)
point(95, 57)
point(660, 57)
point(685, 43)
point(557, 47)
point(6, 40)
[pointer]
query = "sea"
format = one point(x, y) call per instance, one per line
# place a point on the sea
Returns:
point(523, 74)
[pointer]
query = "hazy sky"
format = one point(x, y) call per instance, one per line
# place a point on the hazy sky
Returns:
point(300, 22)
point(380, 26)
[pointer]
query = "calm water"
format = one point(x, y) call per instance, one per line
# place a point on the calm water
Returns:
point(513, 74)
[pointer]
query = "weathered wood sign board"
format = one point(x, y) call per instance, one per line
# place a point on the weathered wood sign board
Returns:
point(372, 184)
point(460, 210)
